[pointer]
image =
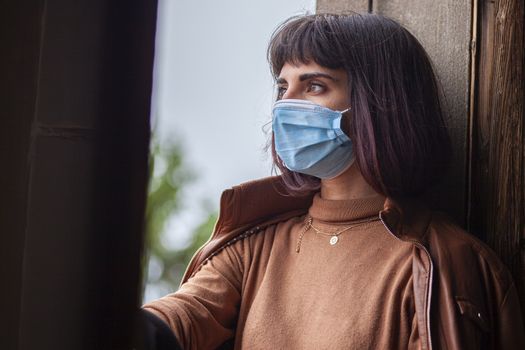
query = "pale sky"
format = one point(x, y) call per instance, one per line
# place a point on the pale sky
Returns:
point(213, 92)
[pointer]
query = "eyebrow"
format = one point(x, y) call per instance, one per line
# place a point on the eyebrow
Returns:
point(307, 76)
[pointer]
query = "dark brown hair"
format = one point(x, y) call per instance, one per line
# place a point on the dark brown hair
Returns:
point(396, 124)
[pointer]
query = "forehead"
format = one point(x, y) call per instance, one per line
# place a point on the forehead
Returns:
point(295, 70)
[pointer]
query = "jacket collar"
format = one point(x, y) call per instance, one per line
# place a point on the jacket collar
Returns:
point(255, 202)
point(406, 219)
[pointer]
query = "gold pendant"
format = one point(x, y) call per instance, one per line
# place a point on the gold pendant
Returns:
point(334, 240)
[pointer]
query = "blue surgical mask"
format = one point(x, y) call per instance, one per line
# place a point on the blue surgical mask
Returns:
point(309, 139)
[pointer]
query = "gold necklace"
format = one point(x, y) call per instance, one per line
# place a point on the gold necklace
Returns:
point(334, 236)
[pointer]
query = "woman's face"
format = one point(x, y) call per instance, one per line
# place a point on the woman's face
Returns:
point(324, 86)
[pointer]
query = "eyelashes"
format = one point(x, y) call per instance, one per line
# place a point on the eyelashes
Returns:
point(312, 87)
point(280, 92)
point(316, 87)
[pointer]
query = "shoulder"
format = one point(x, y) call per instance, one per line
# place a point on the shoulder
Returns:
point(453, 248)
point(473, 289)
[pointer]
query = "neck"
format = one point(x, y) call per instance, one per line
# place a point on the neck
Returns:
point(349, 185)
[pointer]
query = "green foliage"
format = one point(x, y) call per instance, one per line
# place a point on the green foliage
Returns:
point(167, 178)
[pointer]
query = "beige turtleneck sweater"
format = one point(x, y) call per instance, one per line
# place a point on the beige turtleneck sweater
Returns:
point(260, 293)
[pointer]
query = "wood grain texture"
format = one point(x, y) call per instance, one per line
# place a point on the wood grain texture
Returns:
point(341, 6)
point(497, 198)
point(444, 29)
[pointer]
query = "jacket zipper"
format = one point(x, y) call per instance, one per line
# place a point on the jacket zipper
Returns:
point(429, 279)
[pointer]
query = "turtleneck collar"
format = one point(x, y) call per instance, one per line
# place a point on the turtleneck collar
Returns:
point(345, 210)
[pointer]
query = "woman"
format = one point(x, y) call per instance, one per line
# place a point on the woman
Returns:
point(336, 253)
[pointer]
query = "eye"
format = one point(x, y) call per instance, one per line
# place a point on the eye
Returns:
point(316, 88)
point(281, 90)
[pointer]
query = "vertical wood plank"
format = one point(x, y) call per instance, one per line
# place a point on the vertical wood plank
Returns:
point(341, 6)
point(497, 202)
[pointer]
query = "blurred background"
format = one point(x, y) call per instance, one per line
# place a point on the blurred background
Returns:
point(211, 105)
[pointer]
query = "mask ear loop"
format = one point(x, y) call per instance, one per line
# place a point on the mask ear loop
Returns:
point(346, 110)
point(343, 114)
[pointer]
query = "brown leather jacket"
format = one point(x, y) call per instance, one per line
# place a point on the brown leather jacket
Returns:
point(464, 296)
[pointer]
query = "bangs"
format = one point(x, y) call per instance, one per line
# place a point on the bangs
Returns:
point(300, 40)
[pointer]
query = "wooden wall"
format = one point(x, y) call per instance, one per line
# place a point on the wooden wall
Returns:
point(497, 151)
